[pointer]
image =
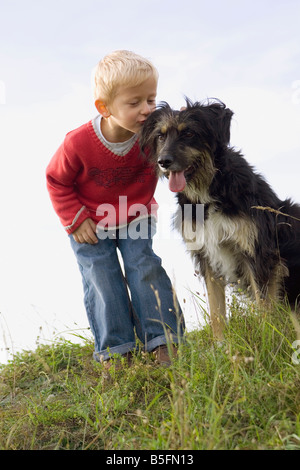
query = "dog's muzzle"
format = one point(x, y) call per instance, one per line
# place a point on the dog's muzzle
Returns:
point(177, 181)
point(165, 161)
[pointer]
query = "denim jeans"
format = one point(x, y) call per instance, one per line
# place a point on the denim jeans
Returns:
point(139, 301)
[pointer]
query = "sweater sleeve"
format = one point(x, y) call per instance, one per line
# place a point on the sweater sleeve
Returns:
point(61, 176)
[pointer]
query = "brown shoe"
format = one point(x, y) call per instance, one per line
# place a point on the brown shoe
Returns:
point(162, 356)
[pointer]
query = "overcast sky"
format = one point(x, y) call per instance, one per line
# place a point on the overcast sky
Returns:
point(245, 53)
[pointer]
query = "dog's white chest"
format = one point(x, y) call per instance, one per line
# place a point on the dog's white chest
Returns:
point(221, 240)
point(217, 235)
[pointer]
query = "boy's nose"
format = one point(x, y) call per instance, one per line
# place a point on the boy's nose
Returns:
point(146, 109)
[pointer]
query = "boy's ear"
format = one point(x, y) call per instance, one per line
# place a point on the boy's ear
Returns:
point(102, 109)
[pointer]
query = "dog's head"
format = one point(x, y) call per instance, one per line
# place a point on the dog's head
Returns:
point(184, 143)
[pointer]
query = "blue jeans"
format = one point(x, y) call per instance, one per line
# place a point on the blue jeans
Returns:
point(142, 301)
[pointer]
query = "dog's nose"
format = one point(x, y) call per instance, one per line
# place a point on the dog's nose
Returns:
point(165, 161)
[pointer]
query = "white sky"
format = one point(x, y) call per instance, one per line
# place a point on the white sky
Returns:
point(245, 53)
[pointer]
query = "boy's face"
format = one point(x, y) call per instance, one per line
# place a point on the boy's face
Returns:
point(132, 106)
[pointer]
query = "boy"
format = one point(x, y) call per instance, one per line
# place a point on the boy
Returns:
point(102, 189)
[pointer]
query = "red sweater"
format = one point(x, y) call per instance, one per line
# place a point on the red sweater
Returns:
point(84, 176)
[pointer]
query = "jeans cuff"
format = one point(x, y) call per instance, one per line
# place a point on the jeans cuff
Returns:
point(159, 341)
point(109, 352)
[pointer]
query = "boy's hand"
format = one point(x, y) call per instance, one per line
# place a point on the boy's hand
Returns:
point(86, 232)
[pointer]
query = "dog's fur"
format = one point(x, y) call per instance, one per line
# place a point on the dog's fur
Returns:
point(250, 236)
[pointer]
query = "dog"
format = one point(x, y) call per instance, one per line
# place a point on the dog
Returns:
point(249, 236)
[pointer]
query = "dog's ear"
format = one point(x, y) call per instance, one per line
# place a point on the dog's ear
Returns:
point(221, 122)
point(147, 134)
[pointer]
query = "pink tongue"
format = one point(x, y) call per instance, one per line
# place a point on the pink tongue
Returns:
point(177, 181)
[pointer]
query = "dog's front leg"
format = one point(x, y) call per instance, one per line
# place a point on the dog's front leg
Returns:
point(217, 305)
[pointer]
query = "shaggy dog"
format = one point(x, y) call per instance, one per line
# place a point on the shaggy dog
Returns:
point(248, 235)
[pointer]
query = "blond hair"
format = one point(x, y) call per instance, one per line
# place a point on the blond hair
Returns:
point(120, 68)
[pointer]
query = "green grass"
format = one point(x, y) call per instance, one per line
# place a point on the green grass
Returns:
point(244, 394)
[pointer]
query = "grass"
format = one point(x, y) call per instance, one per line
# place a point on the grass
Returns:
point(244, 394)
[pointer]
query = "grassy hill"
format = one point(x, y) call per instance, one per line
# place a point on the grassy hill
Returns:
point(244, 394)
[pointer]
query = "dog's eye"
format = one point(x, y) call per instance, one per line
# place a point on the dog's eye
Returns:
point(189, 134)
point(161, 137)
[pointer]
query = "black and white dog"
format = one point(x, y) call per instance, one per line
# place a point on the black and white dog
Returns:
point(249, 235)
